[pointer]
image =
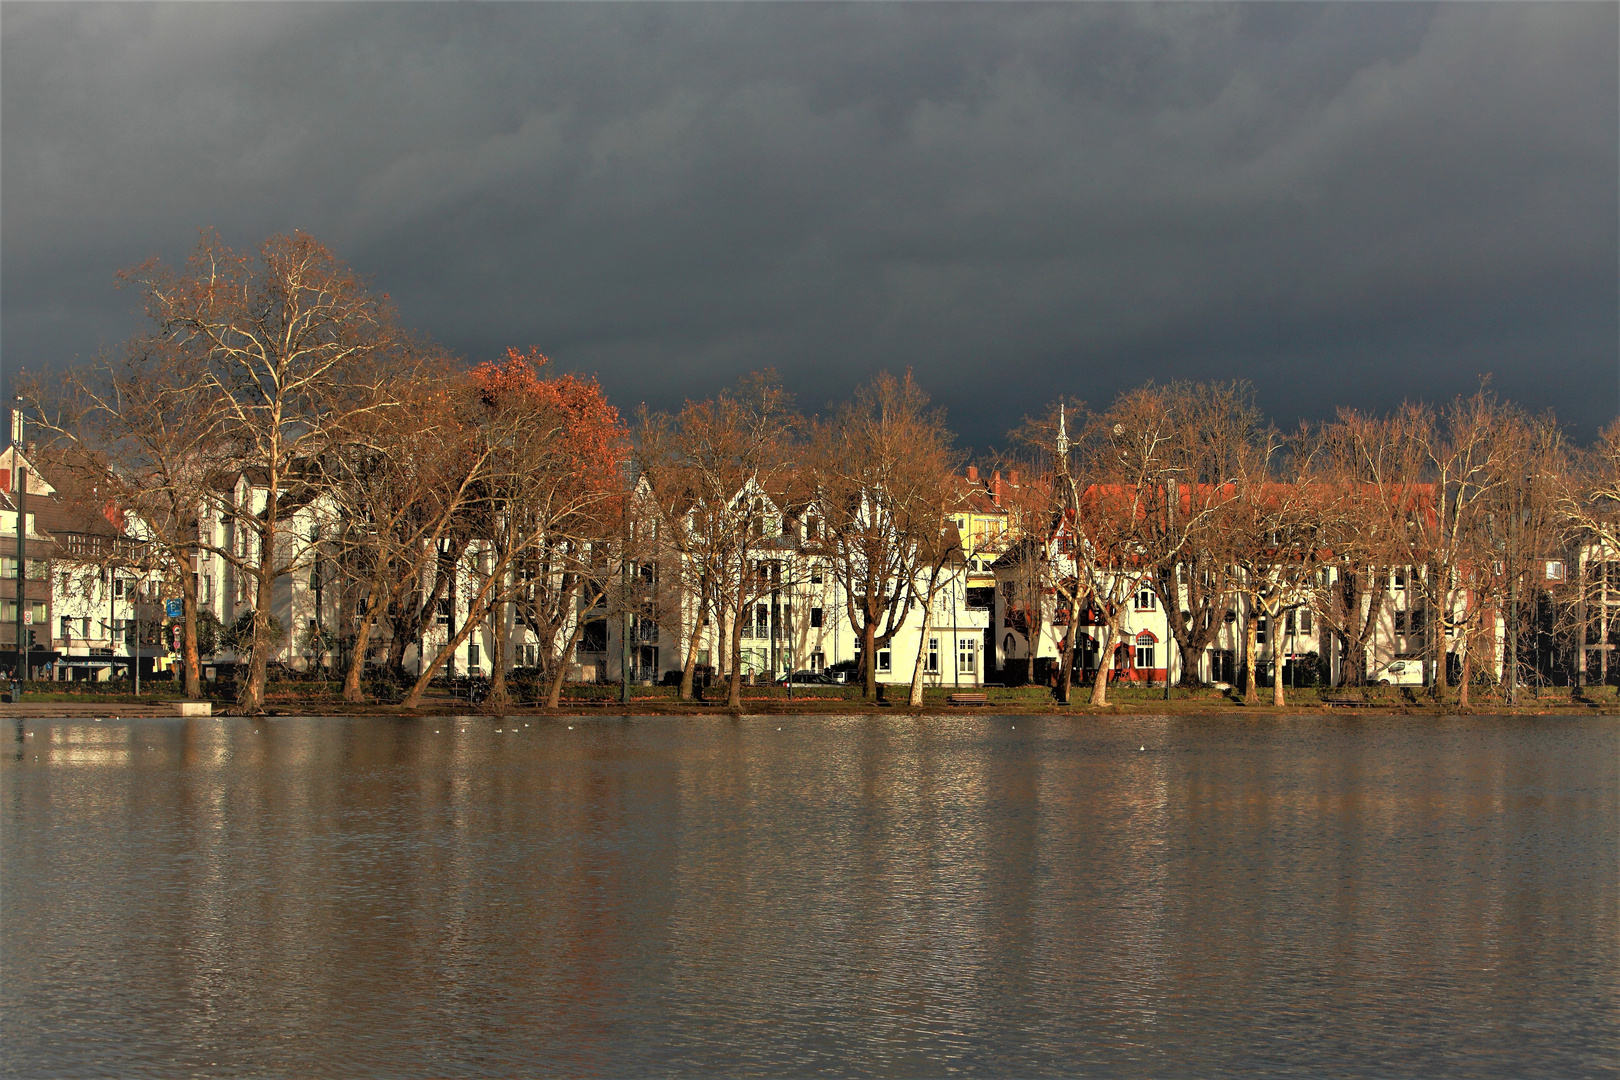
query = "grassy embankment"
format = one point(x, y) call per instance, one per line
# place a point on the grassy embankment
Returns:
point(317, 698)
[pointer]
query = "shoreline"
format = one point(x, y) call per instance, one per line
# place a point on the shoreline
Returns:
point(89, 706)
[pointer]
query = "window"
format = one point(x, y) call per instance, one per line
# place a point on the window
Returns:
point(762, 620)
point(931, 662)
point(1397, 580)
point(1554, 570)
point(815, 617)
point(818, 661)
point(1260, 629)
point(67, 626)
point(1144, 650)
point(1288, 622)
point(1305, 624)
point(885, 661)
point(1415, 622)
point(981, 597)
point(967, 656)
point(1146, 600)
point(444, 611)
point(812, 529)
point(84, 627)
point(118, 587)
point(472, 655)
point(1400, 622)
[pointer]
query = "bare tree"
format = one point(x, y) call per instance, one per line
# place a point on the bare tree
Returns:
point(1275, 550)
point(939, 561)
point(719, 476)
point(134, 432)
point(882, 473)
point(398, 488)
point(293, 351)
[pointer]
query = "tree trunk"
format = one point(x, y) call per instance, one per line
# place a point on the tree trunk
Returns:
point(188, 593)
point(252, 696)
point(476, 611)
point(554, 690)
point(1251, 686)
point(1276, 666)
point(722, 645)
point(869, 661)
point(357, 662)
point(734, 692)
point(1467, 662)
point(915, 698)
point(1436, 643)
point(1066, 666)
point(499, 697)
point(1105, 662)
point(692, 640)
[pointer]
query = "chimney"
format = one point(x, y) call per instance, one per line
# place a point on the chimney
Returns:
point(995, 487)
point(1012, 478)
point(973, 473)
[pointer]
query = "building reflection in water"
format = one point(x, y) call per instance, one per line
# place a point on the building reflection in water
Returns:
point(329, 897)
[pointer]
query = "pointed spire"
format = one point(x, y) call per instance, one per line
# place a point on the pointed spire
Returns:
point(1062, 435)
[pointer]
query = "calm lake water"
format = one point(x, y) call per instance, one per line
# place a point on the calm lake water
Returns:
point(782, 896)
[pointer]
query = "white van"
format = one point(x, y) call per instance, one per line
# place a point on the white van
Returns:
point(1400, 673)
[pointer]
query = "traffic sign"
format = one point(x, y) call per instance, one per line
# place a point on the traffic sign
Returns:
point(173, 609)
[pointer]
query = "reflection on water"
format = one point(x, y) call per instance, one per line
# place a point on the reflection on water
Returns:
point(785, 896)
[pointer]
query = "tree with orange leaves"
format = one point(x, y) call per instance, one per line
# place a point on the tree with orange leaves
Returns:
point(552, 491)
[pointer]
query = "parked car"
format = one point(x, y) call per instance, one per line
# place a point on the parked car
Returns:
point(1400, 673)
point(844, 671)
point(809, 678)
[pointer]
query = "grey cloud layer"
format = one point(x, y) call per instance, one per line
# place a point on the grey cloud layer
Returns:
point(1347, 203)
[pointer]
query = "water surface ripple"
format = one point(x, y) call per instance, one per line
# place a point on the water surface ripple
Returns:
point(784, 896)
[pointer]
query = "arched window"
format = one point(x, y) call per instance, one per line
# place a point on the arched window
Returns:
point(1144, 650)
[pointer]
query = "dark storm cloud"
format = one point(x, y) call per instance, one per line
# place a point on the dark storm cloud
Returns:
point(1346, 203)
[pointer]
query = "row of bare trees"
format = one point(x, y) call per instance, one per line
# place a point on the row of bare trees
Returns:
point(276, 397)
point(1185, 489)
point(758, 501)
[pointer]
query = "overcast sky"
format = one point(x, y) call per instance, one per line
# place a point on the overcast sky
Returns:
point(1345, 203)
